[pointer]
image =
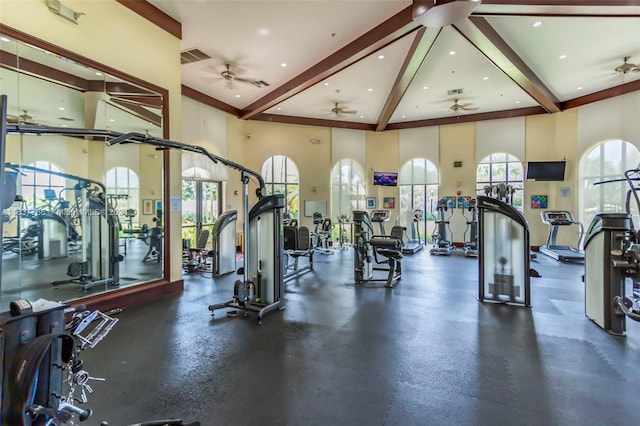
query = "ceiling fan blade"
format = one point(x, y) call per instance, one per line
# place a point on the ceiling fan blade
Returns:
point(349, 111)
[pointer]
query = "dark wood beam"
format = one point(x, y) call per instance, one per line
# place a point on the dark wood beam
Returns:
point(612, 92)
point(305, 121)
point(138, 111)
point(567, 8)
point(416, 55)
point(35, 69)
point(482, 35)
point(154, 15)
point(521, 112)
point(208, 100)
point(384, 34)
point(151, 101)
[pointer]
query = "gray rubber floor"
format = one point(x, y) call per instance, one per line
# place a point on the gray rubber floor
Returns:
point(424, 353)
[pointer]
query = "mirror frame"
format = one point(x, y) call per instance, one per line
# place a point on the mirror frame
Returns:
point(145, 291)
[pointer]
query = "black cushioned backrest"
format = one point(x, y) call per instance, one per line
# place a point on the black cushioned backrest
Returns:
point(304, 241)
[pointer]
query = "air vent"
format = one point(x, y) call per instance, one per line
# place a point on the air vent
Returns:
point(260, 83)
point(192, 55)
point(454, 92)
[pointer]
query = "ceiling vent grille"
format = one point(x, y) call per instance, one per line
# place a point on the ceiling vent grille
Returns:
point(193, 55)
point(454, 92)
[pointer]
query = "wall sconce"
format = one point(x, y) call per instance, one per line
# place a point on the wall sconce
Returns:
point(55, 6)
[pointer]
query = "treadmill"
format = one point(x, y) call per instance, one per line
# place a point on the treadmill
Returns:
point(554, 220)
point(414, 244)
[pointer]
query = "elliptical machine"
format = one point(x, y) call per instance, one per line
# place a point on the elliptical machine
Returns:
point(471, 245)
point(441, 245)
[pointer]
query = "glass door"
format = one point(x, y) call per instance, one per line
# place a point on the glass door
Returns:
point(201, 205)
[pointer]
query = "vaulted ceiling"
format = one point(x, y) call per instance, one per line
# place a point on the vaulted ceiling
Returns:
point(295, 61)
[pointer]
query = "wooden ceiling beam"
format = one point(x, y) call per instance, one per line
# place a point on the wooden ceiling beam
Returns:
point(482, 35)
point(558, 8)
point(414, 59)
point(391, 30)
point(307, 121)
point(467, 118)
point(208, 100)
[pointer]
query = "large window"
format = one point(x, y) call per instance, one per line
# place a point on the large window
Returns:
point(281, 176)
point(606, 161)
point(123, 188)
point(501, 168)
point(418, 181)
point(348, 188)
point(34, 183)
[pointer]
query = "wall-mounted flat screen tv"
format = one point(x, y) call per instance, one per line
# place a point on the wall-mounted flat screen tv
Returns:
point(385, 178)
point(546, 171)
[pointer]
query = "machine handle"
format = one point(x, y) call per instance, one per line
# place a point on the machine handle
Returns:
point(626, 307)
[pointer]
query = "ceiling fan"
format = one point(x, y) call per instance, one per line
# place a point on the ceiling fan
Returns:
point(627, 67)
point(457, 107)
point(230, 77)
point(23, 118)
point(338, 110)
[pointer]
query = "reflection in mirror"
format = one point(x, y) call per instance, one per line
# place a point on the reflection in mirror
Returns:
point(87, 218)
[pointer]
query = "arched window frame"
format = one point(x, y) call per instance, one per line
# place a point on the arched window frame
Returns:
point(123, 181)
point(281, 176)
point(418, 186)
point(607, 160)
point(348, 188)
point(501, 167)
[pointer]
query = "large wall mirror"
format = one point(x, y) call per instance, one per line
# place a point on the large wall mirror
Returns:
point(87, 218)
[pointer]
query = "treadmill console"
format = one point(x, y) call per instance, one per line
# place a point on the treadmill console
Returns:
point(380, 215)
point(557, 218)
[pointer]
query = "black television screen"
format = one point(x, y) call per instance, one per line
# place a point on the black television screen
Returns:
point(546, 170)
point(385, 178)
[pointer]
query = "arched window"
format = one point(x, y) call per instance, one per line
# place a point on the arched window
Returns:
point(35, 182)
point(501, 168)
point(123, 181)
point(281, 176)
point(348, 188)
point(418, 181)
point(607, 160)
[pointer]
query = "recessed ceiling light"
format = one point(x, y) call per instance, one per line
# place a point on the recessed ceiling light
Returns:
point(537, 23)
point(64, 125)
point(453, 52)
point(362, 116)
point(326, 84)
point(61, 108)
point(284, 64)
point(380, 56)
point(579, 88)
point(278, 109)
point(112, 120)
point(485, 78)
point(563, 56)
point(404, 116)
point(237, 96)
point(517, 102)
point(263, 32)
point(99, 74)
point(6, 40)
point(370, 89)
point(425, 87)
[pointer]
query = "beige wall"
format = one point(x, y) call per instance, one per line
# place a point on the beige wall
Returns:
point(117, 37)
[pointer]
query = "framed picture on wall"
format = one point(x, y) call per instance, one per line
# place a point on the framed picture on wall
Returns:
point(371, 202)
point(389, 203)
point(539, 201)
point(157, 205)
point(147, 206)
